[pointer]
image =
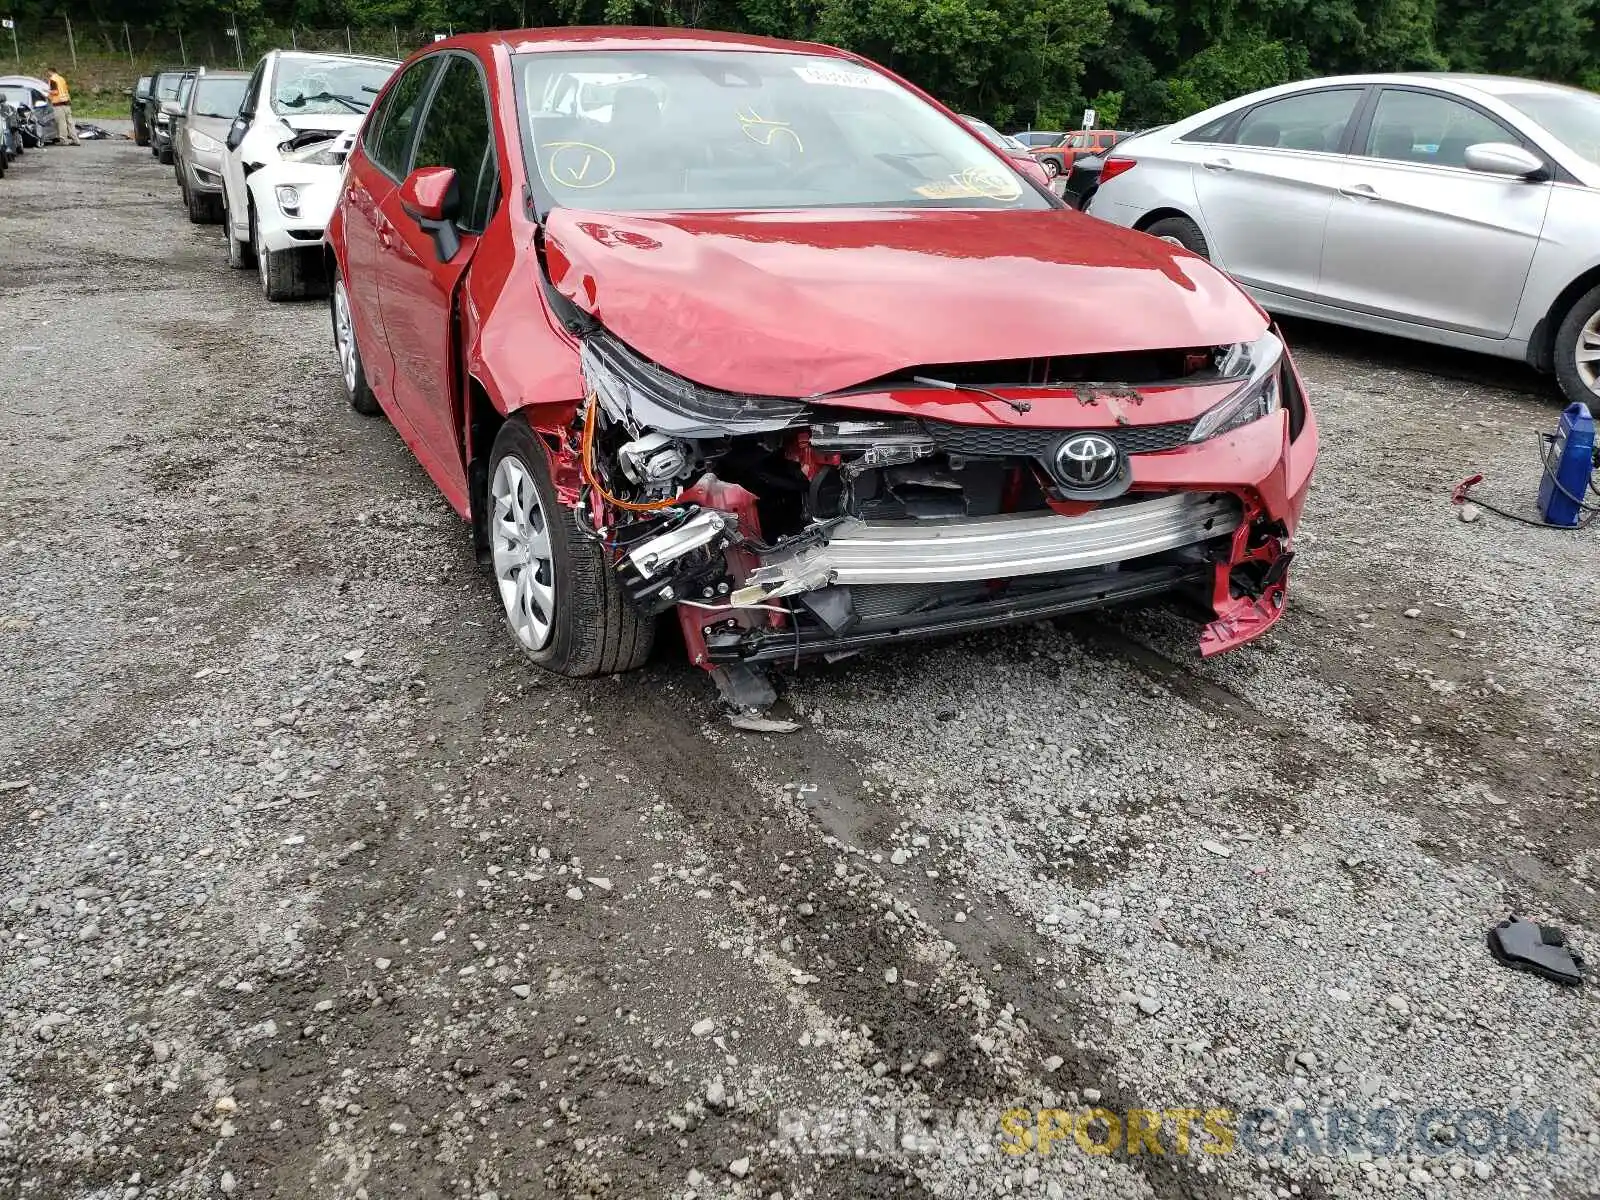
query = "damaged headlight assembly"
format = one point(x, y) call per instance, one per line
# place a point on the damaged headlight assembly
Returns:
point(646, 397)
point(1259, 365)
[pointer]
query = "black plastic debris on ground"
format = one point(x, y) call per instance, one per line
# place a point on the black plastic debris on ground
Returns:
point(1541, 949)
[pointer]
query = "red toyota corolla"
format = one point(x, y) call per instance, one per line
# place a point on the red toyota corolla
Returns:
point(758, 332)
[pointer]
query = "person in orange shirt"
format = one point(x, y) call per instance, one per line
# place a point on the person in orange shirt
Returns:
point(61, 101)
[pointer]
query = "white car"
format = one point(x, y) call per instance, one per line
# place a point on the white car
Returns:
point(286, 152)
point(1457, 209)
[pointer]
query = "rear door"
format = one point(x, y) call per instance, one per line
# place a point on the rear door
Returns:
point(375, 172)
point(1415, 236)
point(1265, 185)
point(416, 291)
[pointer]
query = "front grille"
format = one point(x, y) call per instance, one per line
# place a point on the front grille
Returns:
point(982, 441)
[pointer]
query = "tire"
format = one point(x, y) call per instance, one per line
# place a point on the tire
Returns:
point(591, 629)
point(1181, 232)
point(204, 208)
point(1051, 167)
point(347, 349)
point(1579, 333)
point(164, 157)
point(240, 257)
point(285, 274)
point(141, 134)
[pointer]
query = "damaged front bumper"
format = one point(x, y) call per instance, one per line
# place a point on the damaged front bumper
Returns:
point(785, 531)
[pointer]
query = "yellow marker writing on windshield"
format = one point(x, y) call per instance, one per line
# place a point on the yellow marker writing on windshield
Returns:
point(569, 164)
point(762, 131)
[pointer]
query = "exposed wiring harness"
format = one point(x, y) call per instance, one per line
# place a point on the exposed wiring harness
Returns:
point(591, 419)
point(1545, 442)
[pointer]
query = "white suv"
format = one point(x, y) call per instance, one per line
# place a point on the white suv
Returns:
point(286, 150)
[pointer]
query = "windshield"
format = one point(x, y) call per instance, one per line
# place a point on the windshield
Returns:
point(167, 86)
point(184, 85)
point(718, 130)
point(216, 97)
point(1572, 117)
point(318, 86)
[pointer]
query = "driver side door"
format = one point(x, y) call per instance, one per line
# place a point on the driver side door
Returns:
point(418, 287)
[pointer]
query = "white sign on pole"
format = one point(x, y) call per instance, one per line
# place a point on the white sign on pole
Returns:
point(1088, 118)
point(439, 37)
point(7, 23)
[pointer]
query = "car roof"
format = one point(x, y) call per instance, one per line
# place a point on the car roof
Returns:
point(630, 37)
point(1454, 81)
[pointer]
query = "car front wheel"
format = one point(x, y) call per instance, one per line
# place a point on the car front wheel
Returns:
point(1180, 231)
point(1577, 350)
point(561, 598)
point(1051, 168)
point(356, 388)
point(285, 274)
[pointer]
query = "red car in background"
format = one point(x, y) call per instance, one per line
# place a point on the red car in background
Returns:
point(758, 334)
point(1057, 159)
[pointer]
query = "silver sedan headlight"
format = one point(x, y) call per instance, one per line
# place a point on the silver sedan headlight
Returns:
point(203, 143)
point(1259, 366)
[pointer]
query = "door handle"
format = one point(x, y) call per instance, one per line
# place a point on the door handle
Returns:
point(1217, 164)
point(1359, 191)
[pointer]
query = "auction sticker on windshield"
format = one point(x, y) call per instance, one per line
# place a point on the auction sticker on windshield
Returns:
point(836, 75)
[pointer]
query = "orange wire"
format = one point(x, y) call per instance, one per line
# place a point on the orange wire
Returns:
point(586, 464)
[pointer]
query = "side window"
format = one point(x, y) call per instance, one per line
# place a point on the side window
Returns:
point(388, 136)
point(1308, 121)
point(1425, 127)
point(1211, 131)
point(455, 133)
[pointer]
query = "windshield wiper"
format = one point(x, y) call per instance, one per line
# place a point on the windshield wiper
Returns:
point(350, 102)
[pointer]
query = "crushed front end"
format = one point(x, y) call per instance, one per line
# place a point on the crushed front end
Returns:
point(947, 499)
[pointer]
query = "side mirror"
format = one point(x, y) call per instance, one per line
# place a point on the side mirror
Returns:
point(1502, 158)
point(1033, 169)
point(431, 196)
point(171, 107)
point(236, 131)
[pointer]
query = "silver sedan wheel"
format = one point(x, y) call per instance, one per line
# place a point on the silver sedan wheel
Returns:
point(524, 567)
point(344, 336)
point(1588, 353)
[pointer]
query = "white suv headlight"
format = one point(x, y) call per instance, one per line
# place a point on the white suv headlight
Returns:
point(1259, 364)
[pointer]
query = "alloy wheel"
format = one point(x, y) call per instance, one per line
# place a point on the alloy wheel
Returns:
point(344, 336)
point(1587, 353)
point(524, 566)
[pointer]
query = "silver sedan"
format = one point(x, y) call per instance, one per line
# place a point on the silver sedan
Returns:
point(1457, 209)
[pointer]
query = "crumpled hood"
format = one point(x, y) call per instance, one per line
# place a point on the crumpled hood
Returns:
point(802, 303)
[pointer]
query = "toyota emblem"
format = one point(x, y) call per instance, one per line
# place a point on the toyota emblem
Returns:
point(1087, 460)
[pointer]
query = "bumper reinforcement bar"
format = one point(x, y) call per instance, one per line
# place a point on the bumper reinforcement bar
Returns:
point(999, 547)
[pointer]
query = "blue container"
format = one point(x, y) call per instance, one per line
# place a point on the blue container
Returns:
point(1569, 462)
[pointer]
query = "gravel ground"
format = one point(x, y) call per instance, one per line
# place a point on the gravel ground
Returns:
point(310, 887)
